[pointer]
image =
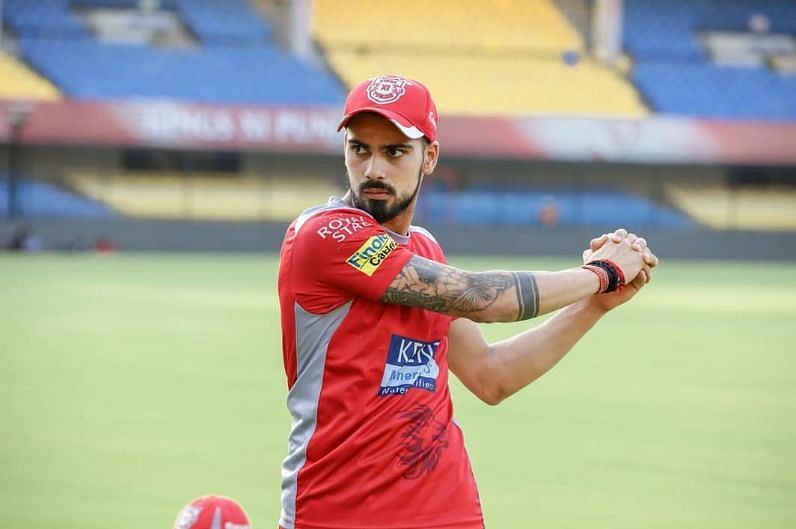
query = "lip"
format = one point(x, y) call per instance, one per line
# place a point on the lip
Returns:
point(376, 193)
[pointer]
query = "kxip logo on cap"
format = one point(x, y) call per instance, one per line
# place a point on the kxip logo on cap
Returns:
point(188, 517)
point(386, 89)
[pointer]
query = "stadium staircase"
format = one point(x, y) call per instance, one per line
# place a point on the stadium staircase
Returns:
point(507, 57)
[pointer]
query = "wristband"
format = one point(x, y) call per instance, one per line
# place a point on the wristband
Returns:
point(615, 276)
point(601, 274)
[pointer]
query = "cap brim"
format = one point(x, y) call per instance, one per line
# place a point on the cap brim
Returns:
point(401, 123)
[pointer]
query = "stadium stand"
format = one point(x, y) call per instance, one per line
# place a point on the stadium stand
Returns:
point(744, 208)
point(230, 23)
point(676, 76)
point(715, 91)
point(40, 199)
point(734, 15)
point(534, 64)
point(88, 69)
point(203, 196)
point(50, 18)
point(236, 48)
point(524, 26)
point(524, 207)
point(20, 82)
point(527, 85)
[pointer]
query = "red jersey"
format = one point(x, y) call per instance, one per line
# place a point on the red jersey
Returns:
point(373, 443)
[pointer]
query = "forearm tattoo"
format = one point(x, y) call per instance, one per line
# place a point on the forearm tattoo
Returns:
point(441, 288)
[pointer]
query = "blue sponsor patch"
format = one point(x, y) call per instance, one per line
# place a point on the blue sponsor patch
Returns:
point(410, 364)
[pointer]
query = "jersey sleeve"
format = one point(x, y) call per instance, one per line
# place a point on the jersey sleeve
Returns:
point(344, 254)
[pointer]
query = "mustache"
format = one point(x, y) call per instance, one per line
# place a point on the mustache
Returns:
point(376, 185)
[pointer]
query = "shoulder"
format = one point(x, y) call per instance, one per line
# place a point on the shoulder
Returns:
point(333, 221)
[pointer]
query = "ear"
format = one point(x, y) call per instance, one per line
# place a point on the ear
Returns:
point(430, 158)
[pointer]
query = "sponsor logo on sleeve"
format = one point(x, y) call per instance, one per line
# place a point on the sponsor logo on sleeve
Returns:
point(370, 255)
point(410, 364)
point(341, 227)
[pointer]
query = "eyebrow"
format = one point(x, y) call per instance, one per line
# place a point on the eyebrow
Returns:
point(407, 146)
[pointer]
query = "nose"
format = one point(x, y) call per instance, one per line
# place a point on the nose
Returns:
point(374, 168)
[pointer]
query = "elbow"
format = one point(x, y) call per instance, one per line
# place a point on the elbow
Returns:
point(494, 395)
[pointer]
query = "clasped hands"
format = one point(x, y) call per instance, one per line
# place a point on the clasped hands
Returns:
point(631, 253)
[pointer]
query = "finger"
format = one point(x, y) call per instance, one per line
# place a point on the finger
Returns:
point(596, 243)
point(647, 271)
point(638, 282)
point(619, 234)
point(650, 258)
point(586, 255)
point(639, 244)
point(631, 238)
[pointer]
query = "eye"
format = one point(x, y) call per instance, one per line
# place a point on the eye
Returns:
point(395, 153)
point(357, 149)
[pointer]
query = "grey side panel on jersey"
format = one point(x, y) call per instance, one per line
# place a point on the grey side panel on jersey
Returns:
point(424, 231)
point(313, 333)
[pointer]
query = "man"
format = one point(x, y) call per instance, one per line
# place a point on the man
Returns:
point(373, 318)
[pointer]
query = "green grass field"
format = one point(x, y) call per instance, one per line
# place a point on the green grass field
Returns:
point(130, 384)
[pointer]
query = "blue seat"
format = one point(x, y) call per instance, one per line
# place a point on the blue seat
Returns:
point(712, 91)
point(262, 74)
point(522, 207)
point(38, 199)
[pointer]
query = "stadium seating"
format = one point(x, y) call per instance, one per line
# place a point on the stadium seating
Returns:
point(734, 15)
point(512, 58)
point(50, 18)
point(527, 85)
point(230, 22)
point(655, 30)
point(675, 76)
point(745, 208)
point(714, 91)
point(19, 82)
point(87, 69)
point(524, 207)
point(40, 199)
point(204, 196)
point(128, 4)
point(238, 62)
point(463, 25)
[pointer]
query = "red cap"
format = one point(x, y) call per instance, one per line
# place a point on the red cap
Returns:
point(212, 512)
point(405, 102)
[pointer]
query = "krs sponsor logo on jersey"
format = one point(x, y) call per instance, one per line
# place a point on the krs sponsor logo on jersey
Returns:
point(410, 364)
point(371, 254)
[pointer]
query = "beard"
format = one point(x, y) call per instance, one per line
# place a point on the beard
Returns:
point(383, 210)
